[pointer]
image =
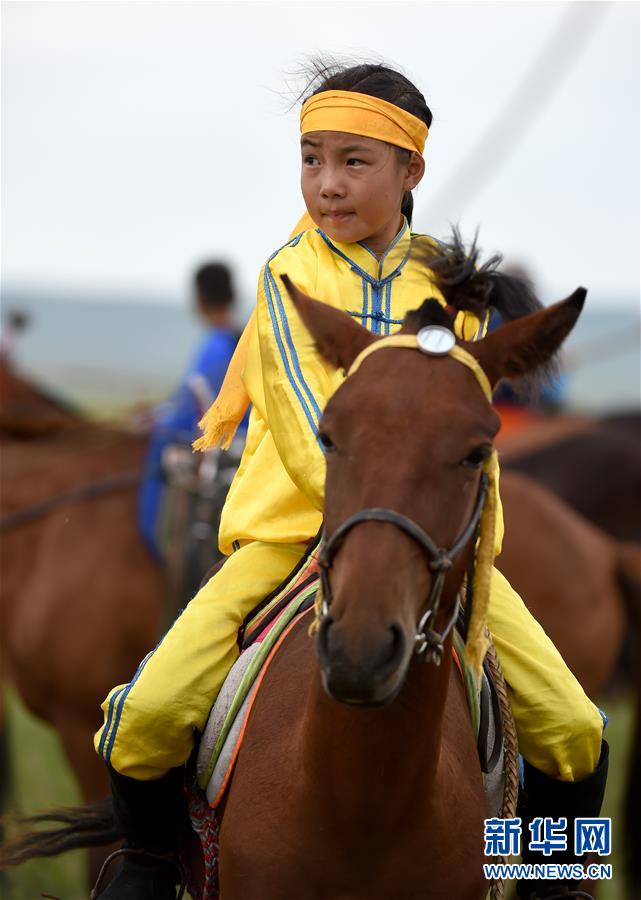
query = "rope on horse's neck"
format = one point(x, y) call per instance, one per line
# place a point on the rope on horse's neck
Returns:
point(477, 641)
point(510, 756)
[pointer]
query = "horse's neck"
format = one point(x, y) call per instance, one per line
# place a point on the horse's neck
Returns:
point(364, 761)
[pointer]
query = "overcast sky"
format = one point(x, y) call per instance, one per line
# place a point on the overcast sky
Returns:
point(141, 138)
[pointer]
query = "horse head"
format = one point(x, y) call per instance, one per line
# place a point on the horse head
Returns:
point(407, 432)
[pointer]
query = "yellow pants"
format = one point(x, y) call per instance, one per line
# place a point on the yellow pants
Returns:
point(149, 723)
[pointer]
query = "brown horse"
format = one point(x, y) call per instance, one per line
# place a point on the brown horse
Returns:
point(356, 766)
point(80, 598)
point(359, 776)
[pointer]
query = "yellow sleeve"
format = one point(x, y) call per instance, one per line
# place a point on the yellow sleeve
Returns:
point(296, 382)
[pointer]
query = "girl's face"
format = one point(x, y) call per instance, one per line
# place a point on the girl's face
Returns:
point(353, 186)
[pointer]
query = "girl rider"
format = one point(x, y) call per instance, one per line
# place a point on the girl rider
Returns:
point(363, 132)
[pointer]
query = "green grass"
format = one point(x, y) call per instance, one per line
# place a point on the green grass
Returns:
point(618, 733)
point(40, 778)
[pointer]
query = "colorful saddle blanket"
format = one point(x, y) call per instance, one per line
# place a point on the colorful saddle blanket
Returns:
point(260, 639)
point(262, 635)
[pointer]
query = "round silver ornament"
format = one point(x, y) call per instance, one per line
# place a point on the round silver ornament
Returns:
point(435, 340)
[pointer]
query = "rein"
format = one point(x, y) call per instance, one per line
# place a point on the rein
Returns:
point(440, 560)
point(85, 492)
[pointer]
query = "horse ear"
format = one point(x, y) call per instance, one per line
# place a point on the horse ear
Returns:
point(521, 346)
point(338, 337)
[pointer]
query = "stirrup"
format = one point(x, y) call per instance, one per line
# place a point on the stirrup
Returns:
point(147, 854)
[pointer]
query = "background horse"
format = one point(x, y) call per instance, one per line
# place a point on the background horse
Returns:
point(80, 598)
point(581, 584)
point(592, 465)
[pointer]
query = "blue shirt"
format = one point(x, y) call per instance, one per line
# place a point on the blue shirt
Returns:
point(176, 421)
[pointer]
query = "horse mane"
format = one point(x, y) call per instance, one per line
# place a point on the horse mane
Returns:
point(430, 313)
point(480, 288)
point(29, 409)
point(477, 287)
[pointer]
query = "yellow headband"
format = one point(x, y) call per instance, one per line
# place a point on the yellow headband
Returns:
point(477, 640)
point(357, 113)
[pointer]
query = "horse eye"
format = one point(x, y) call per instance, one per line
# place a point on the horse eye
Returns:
point(326, 442)
point(477, 457)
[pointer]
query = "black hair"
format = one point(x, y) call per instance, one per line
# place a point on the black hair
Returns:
point(213, 282)
point(377, 80)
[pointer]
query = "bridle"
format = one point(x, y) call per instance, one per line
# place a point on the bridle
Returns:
point(428, 641)
point(433, 341)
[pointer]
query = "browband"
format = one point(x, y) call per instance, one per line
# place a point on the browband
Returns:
point(412, 342)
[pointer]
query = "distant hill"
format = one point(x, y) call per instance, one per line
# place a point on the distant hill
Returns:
point(109, 353)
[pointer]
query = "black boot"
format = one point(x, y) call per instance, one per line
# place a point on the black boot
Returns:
point(549, 797)
point(149, 813)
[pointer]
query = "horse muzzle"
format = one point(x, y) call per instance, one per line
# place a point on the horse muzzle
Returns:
point(368, 672)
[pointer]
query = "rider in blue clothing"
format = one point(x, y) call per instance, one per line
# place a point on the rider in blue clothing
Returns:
point(176, 420)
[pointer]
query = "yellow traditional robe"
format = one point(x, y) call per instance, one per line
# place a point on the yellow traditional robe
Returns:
point(277, 494)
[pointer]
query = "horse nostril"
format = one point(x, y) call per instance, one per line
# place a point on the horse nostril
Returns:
point(396, 647)
point(323, 639)
point(358, 663)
